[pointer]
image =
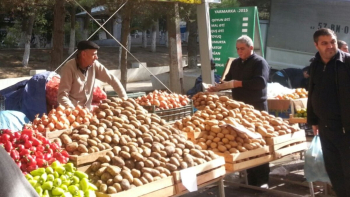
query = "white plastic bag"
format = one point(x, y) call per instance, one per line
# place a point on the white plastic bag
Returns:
point(314, 169)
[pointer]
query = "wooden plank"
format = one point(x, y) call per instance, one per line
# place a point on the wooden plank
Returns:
point(284, 138)
point(144, 189)
point(78, 160)
point(281, 145)
point(203, 178)
point(55, 134)
point(168, 191)
point(235, 167)
point(293, 119)
point(201, 168)
point(193, 135)
point(83, 168)
point(234, 157)
point(289, 150)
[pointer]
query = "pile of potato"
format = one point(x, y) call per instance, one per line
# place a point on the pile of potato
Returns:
point(215, 111)
point(138, 163)
point(142, 148)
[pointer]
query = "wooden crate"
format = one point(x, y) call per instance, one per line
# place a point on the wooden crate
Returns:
point(163, 187)
point(191, 135)
point(205, 173)
point(86, 159)
point(241, 161)
point(55, 134)
point(287, 144)
point(293, 119)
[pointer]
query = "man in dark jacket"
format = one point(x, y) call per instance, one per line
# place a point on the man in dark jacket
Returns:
point(328, 107)
point(247, 77)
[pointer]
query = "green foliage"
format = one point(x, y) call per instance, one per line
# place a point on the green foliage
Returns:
point(13, 36)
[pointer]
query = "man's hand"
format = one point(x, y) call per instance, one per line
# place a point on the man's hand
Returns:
point(315, 129)
point(212, 88)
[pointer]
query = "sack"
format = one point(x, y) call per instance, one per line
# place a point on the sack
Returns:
point(98, 95)
point(314, 169)
point(52, 91)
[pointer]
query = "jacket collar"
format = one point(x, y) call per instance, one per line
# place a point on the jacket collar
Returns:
point(339, 56)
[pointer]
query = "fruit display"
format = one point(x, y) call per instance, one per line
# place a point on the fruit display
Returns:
point(61, 180)
point(31, 150)
point(215, 111)
point(163, 100)
point(61, 118)
point(298, 93)
point(300, 113)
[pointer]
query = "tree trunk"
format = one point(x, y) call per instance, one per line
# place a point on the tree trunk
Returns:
point(129, 43)
point(72, 30)
point(144, 39)
point(154, 36)
point(125, 34)
point(86, 24)
point(24, 28)
point(28, 36)
point(58, 34)
point(192, 46)
point(166, 39)
point(109, 27)
point(175, 50)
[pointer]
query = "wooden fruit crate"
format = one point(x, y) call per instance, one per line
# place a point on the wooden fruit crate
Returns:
point(162, 187)
point(191, 135)
point(55, 134)
point(86, 159)
point(287, 144)
point(205, 172)
point(293, 119)
point(241, 161)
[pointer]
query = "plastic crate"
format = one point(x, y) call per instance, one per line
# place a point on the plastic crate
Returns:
point(171, 115)
point(130, 95)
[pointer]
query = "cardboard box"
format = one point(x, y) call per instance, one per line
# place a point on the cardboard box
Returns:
point(279, 108)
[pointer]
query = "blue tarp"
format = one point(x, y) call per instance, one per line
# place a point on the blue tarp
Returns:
point(13, 120)
point(28, 96)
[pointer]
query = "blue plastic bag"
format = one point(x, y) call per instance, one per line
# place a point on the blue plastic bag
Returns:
point(13, 120)
point(314, 169)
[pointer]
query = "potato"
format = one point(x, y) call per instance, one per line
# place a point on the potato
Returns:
point(71, 147)
point(105, 176)
point(171, 167)
point(118, 161)
point(103, 188)
point(127, 175)
point(137, 156)
point(125, 184)
point(111, 190)
point(197, 153)
point(113, 170)
point(175, 161)
point(147, 176)
point(104, 159)
point(66, 139)
point(82, 148)
point(125, 154)
point(137, 182)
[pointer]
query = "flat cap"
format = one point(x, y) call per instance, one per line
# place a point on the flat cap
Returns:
point(82, 45)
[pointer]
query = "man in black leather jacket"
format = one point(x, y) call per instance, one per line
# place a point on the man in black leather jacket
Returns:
point(328, 109)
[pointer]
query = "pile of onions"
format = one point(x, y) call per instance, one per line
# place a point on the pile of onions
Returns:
point(163, 100)
point(62, 118)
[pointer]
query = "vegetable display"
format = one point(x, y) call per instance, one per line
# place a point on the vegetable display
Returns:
point(61, 180)
point(216, 111)
point(31, 150)
point(163, 100)
point(298, 93)
point(62, 118)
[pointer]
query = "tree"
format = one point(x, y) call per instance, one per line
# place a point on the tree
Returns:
point(72, 12)
point(263, 7)
point(58, 34)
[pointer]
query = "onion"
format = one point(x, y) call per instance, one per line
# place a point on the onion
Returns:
point(82, 112)
point(50, 126)
point(60, 108)
point(41, 128)
point(60, 113)
point(71, 118)
point(44, 116)
point(59, 125)
point(45, 121)
point(53, 111)
point(85, 120)
point(75, 124)
point(75, 112)
point(68, 111)
point(79, 119)
point(36, 120)
point(78, 107)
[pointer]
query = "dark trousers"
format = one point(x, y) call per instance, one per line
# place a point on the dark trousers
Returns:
point(259, 175)
point(336, 153)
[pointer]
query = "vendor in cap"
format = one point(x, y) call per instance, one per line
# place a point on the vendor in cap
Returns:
point(78, 77)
